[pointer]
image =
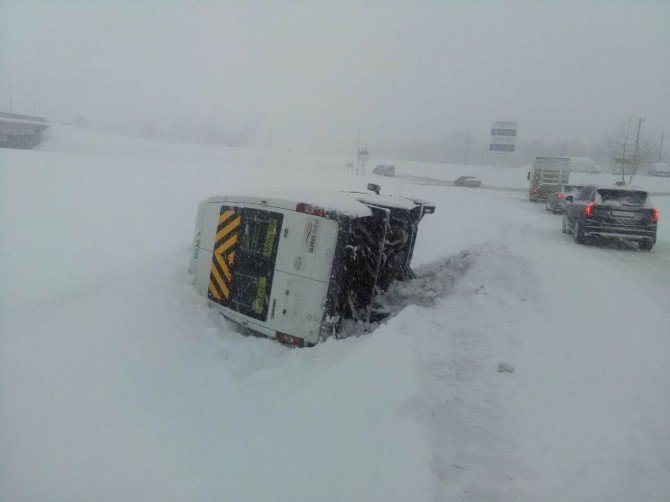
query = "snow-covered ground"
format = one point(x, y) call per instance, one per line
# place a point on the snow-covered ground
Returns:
point(118, 383)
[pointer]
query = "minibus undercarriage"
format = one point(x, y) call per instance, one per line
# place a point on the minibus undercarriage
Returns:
point(371, 253)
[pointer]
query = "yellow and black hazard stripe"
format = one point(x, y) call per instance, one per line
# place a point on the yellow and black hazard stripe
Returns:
point(225, 243)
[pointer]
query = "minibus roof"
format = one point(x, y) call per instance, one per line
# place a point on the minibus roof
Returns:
point(351, 204)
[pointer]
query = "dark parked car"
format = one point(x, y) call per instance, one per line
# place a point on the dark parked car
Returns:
point(611, 212)
point(467, 181)
point(556, 201)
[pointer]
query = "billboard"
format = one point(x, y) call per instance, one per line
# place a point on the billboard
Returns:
point(502, 144)
point(503, 137)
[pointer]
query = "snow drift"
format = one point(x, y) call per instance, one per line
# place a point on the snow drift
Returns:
point(117, 381)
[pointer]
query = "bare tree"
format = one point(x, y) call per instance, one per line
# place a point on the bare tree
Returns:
point(630, 147)
point(620, 144)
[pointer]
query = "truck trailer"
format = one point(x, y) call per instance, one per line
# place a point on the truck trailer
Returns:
point(547, 176)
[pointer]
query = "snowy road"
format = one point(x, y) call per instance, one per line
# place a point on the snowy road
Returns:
point(585, 328)
point(117, 382)
point(423, 180)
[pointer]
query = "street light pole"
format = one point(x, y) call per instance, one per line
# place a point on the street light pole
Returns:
point(11, 108)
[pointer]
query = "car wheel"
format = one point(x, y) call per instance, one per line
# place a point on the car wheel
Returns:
point(565, 226)
point(645, 245)
point(533, 199)
point(577, 233)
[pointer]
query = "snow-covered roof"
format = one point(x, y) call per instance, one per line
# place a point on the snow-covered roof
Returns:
point(341, 202)
point(14, 118)
point(621, 188)
point(348, 203)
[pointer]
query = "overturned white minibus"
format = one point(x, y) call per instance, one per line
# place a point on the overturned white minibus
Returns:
point(294, 267)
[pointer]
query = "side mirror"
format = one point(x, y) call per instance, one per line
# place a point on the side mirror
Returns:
point(373, 187)
point(569, 198)
point(528, 175)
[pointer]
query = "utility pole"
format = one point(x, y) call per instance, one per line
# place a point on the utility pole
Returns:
point(637, 139)
point(636, 156)
point(467, 147)
point(660, 148)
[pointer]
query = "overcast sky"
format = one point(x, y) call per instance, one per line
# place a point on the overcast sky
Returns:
point(322, 71)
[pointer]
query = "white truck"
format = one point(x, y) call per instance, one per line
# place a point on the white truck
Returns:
point(547, 176)
point(294, 267)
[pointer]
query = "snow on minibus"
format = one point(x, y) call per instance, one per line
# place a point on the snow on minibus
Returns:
point(294, 267)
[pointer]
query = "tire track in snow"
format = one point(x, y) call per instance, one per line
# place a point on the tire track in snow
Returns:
point(460, 340)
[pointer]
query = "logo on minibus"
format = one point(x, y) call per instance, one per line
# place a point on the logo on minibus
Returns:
point(311, 233)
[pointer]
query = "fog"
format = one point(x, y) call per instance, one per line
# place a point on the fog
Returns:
point(316, 74)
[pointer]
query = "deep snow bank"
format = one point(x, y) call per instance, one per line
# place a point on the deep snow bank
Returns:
point(117, 382)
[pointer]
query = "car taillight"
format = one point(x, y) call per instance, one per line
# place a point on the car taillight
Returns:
point(654, 214)
point(588, 210)
point(560, 195)
point(309, 209)
point(289, 339)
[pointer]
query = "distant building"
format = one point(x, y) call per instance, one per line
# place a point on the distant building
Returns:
point(583, 165)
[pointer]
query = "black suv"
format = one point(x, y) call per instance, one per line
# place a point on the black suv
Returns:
point(611, 212)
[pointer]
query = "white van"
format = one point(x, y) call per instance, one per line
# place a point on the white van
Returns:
point(293, 267)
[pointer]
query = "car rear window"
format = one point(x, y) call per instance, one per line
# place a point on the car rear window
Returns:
point(622, 197)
